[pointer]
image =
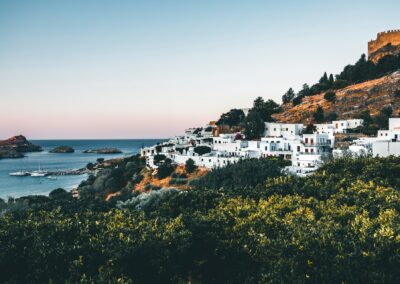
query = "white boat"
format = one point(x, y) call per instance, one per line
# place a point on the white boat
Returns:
point(19, 174)
point(39, 173)
point(52, 177)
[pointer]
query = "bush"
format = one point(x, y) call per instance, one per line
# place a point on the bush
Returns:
point(318, 115)
point(331, 116)
point(164, 170)
point(330, 96)
point(339, 84)
point(178, 181)
point(190, 167)
point(201, 150)
point(90, 166)
point(158, 158)
point(297, 100)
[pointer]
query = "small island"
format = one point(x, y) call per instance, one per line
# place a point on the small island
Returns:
point(62, 149)
point(15, 146)
point(103, 151)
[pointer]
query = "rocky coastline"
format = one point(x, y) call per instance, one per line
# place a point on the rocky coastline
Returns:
point(16, 146)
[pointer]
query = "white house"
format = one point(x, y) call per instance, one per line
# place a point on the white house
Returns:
point(343, 126)
point(287, 130)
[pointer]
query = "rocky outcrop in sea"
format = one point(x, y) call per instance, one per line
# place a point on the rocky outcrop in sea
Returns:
point(62, 149)
point(15, 146)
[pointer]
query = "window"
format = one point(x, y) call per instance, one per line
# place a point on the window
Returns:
point(306, 150)
point(266, 148)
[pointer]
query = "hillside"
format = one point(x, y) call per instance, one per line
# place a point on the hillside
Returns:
point(371, 95)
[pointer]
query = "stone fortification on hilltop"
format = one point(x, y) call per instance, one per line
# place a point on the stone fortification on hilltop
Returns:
point(385, 43)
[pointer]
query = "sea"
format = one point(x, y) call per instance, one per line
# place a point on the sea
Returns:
point(12, 186)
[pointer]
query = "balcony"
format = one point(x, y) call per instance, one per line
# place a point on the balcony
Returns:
point(316, 144)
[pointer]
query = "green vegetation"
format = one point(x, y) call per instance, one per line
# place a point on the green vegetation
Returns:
point(232, 118)
point(165, 169)
point(246, 223)
point(159, 158)
point(373, 124)
point(259, 114)
point(202, 150)
point(190, 166)
point(318, 115)
point(363, 70)
point(330, 96)
point(288, 96)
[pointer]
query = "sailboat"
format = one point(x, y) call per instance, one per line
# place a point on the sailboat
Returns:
point(39, 173)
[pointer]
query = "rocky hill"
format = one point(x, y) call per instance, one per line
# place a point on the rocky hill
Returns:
point(383, 51)
point(15, 146)
point(371, 95)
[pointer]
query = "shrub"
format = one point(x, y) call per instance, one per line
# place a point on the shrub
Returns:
point(330, 96)
point(190, 167)
point(90, 166)
point(319, 114)
point(297, 100)
point(165, 170)
point(201, 150)
point(158, 158)
point(178, 181)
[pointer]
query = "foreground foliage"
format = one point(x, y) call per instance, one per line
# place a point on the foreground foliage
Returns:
point(340, 225)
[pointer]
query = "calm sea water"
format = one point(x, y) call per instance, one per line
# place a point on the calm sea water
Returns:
point(20, 186)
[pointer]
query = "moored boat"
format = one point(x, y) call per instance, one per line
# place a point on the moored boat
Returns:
point(19, 174)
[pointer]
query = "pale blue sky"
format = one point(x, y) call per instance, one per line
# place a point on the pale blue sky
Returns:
point(135, 69)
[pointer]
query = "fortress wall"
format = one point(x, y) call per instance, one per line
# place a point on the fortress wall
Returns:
point(392, 36)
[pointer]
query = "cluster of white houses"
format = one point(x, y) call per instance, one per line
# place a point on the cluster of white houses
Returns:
point(386, 143)
point(288, 141)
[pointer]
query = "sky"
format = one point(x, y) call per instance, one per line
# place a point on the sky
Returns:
point(98, 69)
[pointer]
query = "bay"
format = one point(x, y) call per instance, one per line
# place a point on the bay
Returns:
point(11, 186)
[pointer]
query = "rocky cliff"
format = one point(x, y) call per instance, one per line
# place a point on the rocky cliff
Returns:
point(15, 146)
point(372, 95)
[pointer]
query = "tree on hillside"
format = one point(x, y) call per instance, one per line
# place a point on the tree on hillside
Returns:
point(310, 128)
point(382, 120)
point(331, 80)
point(232, 118)
point(201, 150)
point(324, 80)
point(331, 116)
point(288, 96)
point(318, 115)
point(190, 166)
point(330, 96)
point(165, 169)
point(260, 112)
